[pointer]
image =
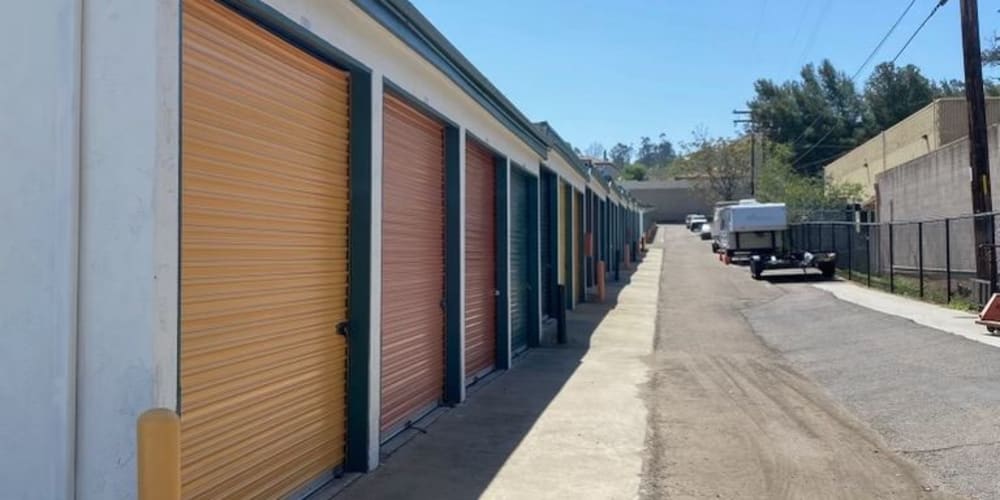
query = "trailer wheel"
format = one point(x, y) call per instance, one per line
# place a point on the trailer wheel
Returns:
point(828, 269)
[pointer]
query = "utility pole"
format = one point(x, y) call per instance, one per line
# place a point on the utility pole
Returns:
point(753, 147)
point(978, 146)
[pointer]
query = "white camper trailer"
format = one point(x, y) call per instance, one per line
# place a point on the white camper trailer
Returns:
point(748, 227)
point(757, 234)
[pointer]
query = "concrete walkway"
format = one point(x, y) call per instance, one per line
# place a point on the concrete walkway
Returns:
point(565, 422)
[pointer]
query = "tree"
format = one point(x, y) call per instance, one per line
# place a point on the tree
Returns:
point(991, 56)
point(646, 152)
point(655, 154)
point(817, 116)
point(634, 172)
point(621, 155)
point(893, 93)
point(595, 150)
point(665, 153)
point(720, 168)
point(956, 88)
point(802, 194)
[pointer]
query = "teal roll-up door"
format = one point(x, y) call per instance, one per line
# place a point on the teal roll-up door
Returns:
point(548, 241)
point(520, 240)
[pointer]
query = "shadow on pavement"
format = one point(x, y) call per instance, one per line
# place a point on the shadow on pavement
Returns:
point(458, 454)
point(795, 277)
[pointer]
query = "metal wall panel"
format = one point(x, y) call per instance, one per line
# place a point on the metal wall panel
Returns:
point(520, 253)
point(480, 260)
point(413, 260)
point(264, 260)
point(547, 241)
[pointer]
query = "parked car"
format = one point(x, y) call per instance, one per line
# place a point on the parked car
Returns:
point(692, 218)
point(706, 232)
point(696, 222)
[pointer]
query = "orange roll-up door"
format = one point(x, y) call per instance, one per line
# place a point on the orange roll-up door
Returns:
point(264, 261)
point(413, 232)
point(480, 260)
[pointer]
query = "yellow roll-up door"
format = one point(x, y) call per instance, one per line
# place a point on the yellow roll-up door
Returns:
point(264, 263)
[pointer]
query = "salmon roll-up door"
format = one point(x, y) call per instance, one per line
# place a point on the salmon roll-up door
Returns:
point(413, 261)
point(480, 260)
point(520, 252)
point(264, 261)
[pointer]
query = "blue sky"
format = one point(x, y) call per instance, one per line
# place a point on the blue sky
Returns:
point(614, 70)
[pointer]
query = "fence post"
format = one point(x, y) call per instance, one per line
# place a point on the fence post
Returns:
point(993, 257)
point(819, 229)
point(868, 255)
point(833, 236)
point(892, 266)
point(947, 257)
point(920, 256)
point(850, 252)
point(561, 336)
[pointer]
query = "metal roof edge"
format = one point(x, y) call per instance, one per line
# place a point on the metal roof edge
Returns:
point(563, 147)
point(404, 21)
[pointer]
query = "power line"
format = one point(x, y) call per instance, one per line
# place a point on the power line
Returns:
point(884, 38)
point(756, 33)
point(868, 59)
point(907, 44)
point(914, 35)
point(812, 33)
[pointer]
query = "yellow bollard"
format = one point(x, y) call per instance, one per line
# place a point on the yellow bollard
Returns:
point(600, 281)
point(159, 444)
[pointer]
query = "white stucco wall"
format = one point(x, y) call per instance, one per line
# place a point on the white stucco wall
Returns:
point(349, 29)
point(128, 242)
point(39, 116)
point(89, 151)
point(565, 171)
point(597, 188)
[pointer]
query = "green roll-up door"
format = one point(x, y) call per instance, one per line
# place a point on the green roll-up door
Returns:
point(520, 289)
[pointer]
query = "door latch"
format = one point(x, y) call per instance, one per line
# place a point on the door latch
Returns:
point(344, 328)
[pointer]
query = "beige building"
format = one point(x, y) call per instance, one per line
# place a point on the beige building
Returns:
point(932, 127)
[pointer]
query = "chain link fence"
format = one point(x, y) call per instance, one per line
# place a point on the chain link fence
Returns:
point(934, 259)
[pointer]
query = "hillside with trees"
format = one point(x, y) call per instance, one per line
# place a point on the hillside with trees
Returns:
point(801, 125)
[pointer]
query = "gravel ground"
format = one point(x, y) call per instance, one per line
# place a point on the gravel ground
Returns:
point(729, 417)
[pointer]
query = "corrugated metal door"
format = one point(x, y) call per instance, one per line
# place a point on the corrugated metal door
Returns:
point(578, 257)
point(264, 260)
point(546, 241)
point(480, 260)
point(561, 228)
point(413, 232)
point(520, 288)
